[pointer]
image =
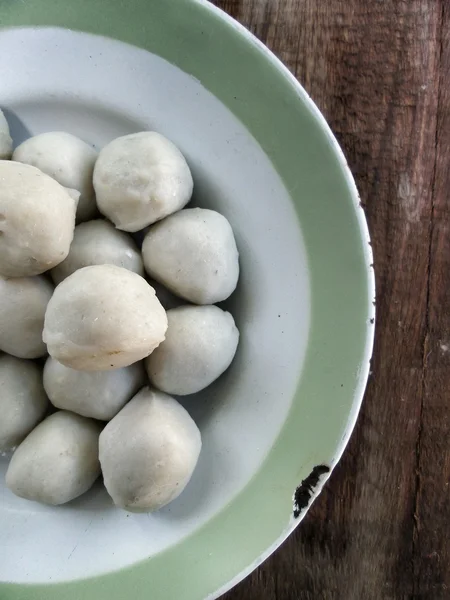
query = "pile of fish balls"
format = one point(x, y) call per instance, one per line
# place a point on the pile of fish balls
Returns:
point(90, 354)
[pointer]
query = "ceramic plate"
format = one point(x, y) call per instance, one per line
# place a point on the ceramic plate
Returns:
point(277, 422)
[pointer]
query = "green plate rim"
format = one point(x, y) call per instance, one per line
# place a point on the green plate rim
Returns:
point(239, 70)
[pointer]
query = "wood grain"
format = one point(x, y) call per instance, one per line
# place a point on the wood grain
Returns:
point(380, 72)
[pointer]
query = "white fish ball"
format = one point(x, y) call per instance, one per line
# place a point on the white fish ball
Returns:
point(194, 254)
point(99, 243)
point(37, 219)
point(66, 158)
point(23, 302)
point(99, 394)
point(6, 143)
point(141, 178)
point(58, 461)
point(148, 452)
point(200, 344)
point(23, 402)
point(103, 317)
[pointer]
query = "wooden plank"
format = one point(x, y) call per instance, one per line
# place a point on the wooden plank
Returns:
point(374, 70)
point(431, 545)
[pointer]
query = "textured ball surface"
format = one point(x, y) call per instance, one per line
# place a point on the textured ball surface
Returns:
point(148, 452)
point(103, 317)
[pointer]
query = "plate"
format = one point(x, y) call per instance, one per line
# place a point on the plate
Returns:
point(277, 422)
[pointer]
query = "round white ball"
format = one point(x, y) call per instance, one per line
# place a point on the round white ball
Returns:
point(200, 344)
point(6, 143)
point(194, 254)
point(58, 461)
point(99, 394)
point(103, 317)
point(23, 402)
point(37, 219)
point(148, 452)
point(99, 243)
point(23, 302)
point(141, 178)
point(66, 158)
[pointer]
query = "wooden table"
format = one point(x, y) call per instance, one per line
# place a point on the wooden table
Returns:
point(380, 72)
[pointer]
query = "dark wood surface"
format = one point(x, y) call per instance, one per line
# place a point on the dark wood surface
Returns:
point(380, 72)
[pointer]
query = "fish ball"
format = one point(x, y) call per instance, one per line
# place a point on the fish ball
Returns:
point(148, 452)
point(99, 243)
point(37, 219)
point(23, 402)
point(103, 317)
point(23, 302)
point(194, 254)
point(58, 461)
point(99, 394)
point(200, 344)
point(67, 159)
point(141, 178)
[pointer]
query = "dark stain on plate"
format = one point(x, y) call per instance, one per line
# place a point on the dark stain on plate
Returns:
point(305, 490)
